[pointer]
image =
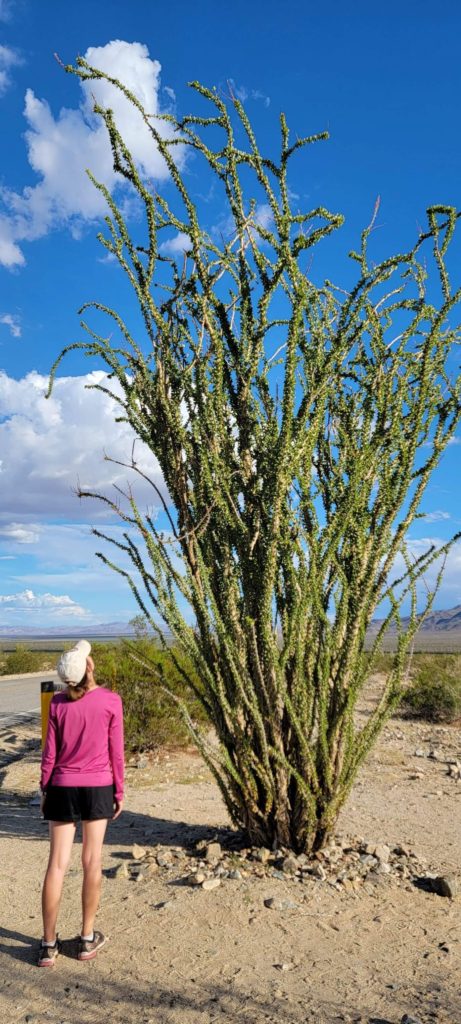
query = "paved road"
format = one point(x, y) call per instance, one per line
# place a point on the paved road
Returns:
point(20, 698)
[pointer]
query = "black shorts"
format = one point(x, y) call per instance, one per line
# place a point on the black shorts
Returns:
point(75, 803)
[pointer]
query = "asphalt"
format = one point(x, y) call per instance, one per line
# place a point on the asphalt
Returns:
point(20, 697)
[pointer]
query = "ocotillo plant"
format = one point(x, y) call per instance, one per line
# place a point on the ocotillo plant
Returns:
point(296, 425)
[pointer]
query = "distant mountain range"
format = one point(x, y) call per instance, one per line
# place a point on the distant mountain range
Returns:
point(437, 622)
point(100, 629)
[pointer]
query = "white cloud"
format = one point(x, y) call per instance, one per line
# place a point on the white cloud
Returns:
point(20, 534)
point(27, 601)
point(11, 321)
point(262, 217)
point(61, 148)
point(49, 447)
point(177, 245)
point(8, 59)
point(449, 593)
point(10, 253)
point(454, 440)
point(435, 517)
point(243, 93)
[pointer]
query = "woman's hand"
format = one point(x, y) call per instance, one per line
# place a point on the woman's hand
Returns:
point(118, 808)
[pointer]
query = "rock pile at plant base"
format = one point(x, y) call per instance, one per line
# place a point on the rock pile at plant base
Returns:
point(349, 865)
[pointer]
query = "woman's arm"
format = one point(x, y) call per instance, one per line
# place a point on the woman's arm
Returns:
point(49, 750)
point(116, 751)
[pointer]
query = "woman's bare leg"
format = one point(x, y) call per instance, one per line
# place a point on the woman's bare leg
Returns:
point(93, 838)
point(61, 838)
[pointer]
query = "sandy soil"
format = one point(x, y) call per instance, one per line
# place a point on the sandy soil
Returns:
point(179, 955)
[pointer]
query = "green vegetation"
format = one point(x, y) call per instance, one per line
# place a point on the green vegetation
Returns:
point(434, 692)
point(296, 424)
point(152, 717)
point(23, 660)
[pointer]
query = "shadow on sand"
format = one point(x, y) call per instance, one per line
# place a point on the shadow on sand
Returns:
point(21, 819)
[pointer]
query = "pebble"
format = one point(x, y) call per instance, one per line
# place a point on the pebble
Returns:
point(196, 878)
point(274, 903)
point(138, 852)
point(164, 860)
point(406, 1019)
point(445, 885)
point(420, 752)
point(213, 853)
point(319, 872)
point(235, 875)
point(121, 871)
point(211, 883)
point(290, 865)
point(382, 852)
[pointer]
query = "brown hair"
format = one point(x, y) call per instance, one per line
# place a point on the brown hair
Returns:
point(78, 691)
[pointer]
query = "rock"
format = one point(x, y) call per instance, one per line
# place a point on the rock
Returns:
point(235, 875)
point(406, 1019)
point(164, 860)
point(368, 860)
point(121, 871)
point(275, 873)
point(319, 872)
point(382, 852)
point(211, 883)
point(420, 752)
point(445, 885)
point(152, 868)
point(290, 865)
point(196, 878)
point(263, 855)
point(142, 762)
point(138, 852)
point(274, 903)
point(213, 853)
point(434, 755)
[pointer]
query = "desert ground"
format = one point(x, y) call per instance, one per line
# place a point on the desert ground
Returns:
point(268, 942)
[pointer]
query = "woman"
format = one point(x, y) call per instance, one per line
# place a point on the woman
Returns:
point(82, 778)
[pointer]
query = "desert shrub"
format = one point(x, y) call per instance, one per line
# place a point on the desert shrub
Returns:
point(434, 692)
point(22, 660)
point(152, 719)
point(381, 662)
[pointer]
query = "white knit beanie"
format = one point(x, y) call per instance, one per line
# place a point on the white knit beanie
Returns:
point(71, 666)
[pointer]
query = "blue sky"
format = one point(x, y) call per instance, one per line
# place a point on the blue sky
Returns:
point(386, 86)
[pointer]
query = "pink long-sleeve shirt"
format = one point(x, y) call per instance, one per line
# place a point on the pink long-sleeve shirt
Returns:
point(84, 741)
